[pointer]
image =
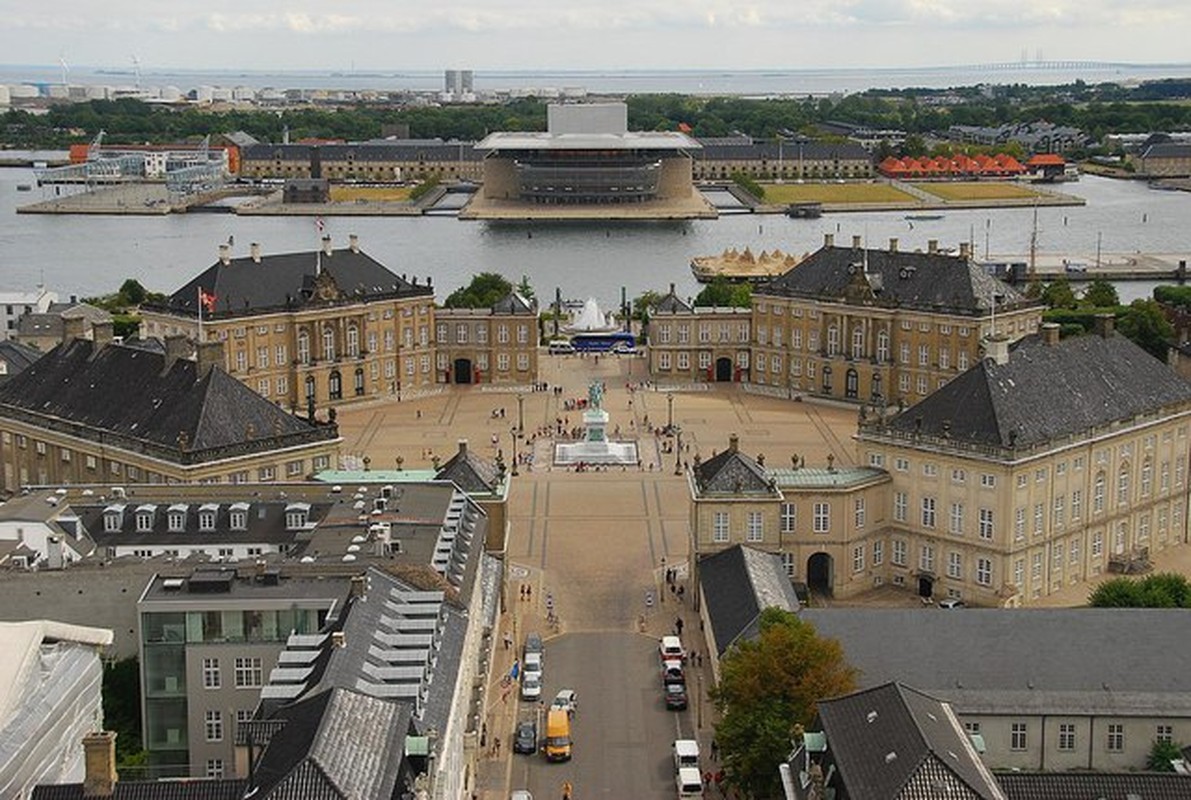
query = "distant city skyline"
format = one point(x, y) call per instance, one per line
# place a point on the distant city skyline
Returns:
point(361, 35)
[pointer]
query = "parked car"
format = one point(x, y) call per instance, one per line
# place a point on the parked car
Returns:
point(533, 644)
point(525, 740)
point(533, 665)
point(951, 602)
point(567, 700)
point(531, 686)
point(521, 794)
point(625, 349)
point(675, 696)
point(672, 672)
point(670, 647)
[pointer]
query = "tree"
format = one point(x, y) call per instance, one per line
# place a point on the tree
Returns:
point(1059, 294)
point(1161, 754)
point(524, 288)
point(768, 685)
point(1161, 590)
point(723, 293)
point(1101, 294)
point(483, 292)
point(122, 708)
point(1146, 325)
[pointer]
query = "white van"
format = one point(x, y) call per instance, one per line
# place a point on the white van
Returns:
point(689, 783)
point(560, 347)
point(686, 754)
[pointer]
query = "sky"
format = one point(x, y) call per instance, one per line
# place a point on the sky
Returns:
point(393, 35)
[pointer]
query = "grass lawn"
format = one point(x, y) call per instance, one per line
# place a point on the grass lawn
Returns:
point(370, 194)
point(977, 190)
point(834, 193)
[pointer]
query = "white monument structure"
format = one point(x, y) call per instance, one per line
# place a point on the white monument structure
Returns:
point(595, 448)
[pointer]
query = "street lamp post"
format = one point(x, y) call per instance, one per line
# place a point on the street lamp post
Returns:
point(670, 411)
point(513, 433)
point(520, 413)
point(678, 452)
point(699, 700)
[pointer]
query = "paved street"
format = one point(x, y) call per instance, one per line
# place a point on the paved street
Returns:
point(596, 543)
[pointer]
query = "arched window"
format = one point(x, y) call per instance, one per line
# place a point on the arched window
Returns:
point(303, 347)
point(353, 341)
point(359, 381)
point(328, 343)
point(858, 342)
point(876, 390)
point(1098, 493)
point(882, 346)
point(335, 386)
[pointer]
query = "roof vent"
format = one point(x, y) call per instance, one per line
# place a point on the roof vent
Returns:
point(890, 757)
point(871, 717)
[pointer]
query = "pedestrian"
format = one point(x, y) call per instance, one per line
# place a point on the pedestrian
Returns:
point(496, 745)
point(566, 790)
point(715, 750)
point(508, 640)
point(529, 591)
point(678, 626)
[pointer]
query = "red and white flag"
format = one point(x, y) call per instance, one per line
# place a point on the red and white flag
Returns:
point(319, 223)
point(207, 300)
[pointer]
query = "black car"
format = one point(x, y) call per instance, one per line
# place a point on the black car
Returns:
point(675, 696)
point(525, 740)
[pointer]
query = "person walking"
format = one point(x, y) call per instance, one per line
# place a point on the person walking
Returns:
point(566, 790)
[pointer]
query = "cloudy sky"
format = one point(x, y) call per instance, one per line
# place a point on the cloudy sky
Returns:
point(604, 34)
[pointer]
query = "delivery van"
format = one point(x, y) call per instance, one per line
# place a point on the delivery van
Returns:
point(558, 735)
point(560, 347)
point(686, 754)
point(689, 783)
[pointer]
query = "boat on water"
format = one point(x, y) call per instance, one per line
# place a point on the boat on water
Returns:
point(742, 265)
point(804, 210)
point(922, 217)
point(24, 187)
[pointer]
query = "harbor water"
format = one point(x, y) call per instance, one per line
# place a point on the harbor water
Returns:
point(85, 255)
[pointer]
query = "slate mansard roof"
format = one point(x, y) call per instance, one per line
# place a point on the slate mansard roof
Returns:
point(738, 584)
point(1095, 785)
point(288, 281)
point(1046, 392)
point(892, 742)
point(934, 282)
point(131, 398)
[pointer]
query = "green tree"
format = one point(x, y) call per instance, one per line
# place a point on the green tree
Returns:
point(1101, 294)
point(1161, 590)
point(722, 293)
point(525, 289)
point(768, 685)
point(1146, 325)
point(749, 185)
point(1161, 754)
point(1058, 294)
point(132, 293)
point(122, 708)
point(483, 292)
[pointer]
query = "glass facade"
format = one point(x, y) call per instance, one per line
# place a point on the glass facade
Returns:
point(588, 176)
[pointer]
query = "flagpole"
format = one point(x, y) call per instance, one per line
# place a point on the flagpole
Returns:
point(200, 314)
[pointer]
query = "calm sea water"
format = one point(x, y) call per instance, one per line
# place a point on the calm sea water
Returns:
point(682, 81)
point(89, 255)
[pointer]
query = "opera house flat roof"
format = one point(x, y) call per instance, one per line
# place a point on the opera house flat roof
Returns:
point(541, 140)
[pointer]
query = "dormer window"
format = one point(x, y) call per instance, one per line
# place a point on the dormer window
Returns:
point(206, 516)
point(238, 517)
point(144, 518)
point(113, 518)
point(296, 515)
point(176, 518)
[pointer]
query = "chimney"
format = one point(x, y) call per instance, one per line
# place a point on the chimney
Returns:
point(671, 289)
point(893, 244)
point(1050, 333)
point(965, 250)
point(1104, 325)
point(856, 241)
point(353, 242)
point(103, 333)
point(359, 586)
point(932, 245)
point(225, 254)
point(73, 328)
point(254, 250)
point(326, 245)
point(462, 447)
point(99, 764)
point(176, 346)
point(733, 443)
point(339, 639)
point(996, 348)
point(208, 355)
point(829, 240)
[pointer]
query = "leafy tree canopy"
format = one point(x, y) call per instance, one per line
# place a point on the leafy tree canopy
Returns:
point(483, 292)
point(1161, 590)
point(1161, 754)
point(1101, 294)
point(722, 292)
point(768, 686)
point(1059, 294)
point(1146, 325)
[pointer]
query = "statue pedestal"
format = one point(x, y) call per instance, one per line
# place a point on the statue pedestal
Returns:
point(595, 447)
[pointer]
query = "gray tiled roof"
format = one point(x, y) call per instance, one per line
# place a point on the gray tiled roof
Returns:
point(337, 744)
point(733, 472)
point(725, 149)
point(672, 304)
point(290, 281)
point(737, 585)
point(372, 151)
point(1047, 392)
point(469, 472)
point(1168, 150)
point(17, 356)
point(892, 742)
point(917, 281)
point(1095, 785)
point(128, 392)
point(1123, 661)
point(197, 789)
point(513, 303)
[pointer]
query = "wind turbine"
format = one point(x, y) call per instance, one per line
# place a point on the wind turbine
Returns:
point(65, 70)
